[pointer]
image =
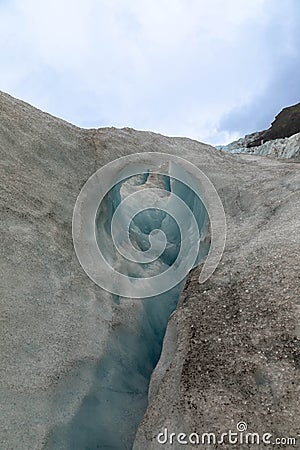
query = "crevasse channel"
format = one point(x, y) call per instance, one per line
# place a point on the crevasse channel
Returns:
point(109, 415)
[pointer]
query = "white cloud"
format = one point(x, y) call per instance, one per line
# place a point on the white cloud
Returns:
point(173, 66)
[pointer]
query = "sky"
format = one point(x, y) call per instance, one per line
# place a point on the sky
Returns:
point(211, 70)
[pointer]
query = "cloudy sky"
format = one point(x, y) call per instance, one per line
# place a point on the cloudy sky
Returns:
point(212, 70)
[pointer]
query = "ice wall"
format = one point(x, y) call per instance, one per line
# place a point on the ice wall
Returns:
point(280, 148)
point(111, 412)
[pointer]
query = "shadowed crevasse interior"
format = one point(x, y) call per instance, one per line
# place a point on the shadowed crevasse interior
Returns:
point(110, 413)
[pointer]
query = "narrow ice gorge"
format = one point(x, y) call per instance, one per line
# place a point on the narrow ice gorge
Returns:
point(109, 415)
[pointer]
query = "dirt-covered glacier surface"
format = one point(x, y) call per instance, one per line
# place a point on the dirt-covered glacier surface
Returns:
point(230, 353)
point(232, 350)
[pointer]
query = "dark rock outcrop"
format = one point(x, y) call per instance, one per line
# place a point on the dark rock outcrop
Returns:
point(286, 123)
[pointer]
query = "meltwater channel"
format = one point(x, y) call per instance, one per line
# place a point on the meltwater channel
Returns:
point(109, 415)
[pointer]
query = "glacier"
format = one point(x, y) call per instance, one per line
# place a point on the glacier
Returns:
point(109, 415)
point(285, 148)
point(59, 330)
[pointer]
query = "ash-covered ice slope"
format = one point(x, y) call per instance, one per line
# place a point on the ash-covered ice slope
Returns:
point(230, 351)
